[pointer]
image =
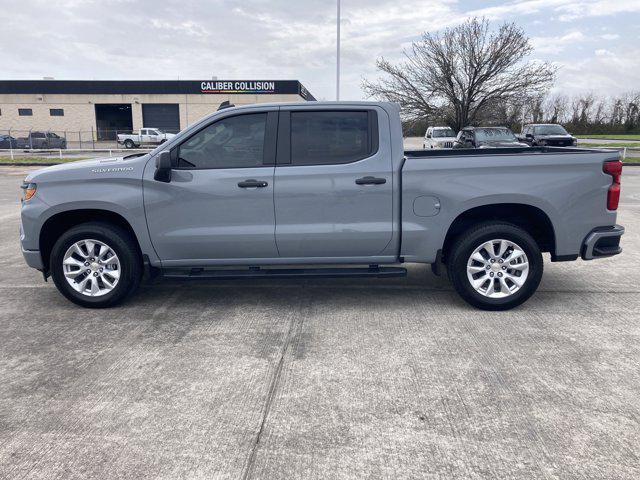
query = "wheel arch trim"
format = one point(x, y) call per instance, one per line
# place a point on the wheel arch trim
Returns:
point(505, 203)
point(95, 211)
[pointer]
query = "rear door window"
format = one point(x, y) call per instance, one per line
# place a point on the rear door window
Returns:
point(332, 137)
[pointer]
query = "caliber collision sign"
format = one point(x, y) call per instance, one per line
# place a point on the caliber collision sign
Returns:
point(154, 87)
point(238, 87)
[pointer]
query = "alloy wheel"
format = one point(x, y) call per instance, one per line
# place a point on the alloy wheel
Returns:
point(91, 267)
point(497, 268)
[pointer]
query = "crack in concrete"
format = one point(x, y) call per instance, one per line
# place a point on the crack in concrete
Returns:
point(273, 386)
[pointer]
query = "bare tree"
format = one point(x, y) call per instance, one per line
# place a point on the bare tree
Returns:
point(455, 75)
point(555, 108)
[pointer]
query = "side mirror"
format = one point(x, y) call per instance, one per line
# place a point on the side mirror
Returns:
point(163, 167)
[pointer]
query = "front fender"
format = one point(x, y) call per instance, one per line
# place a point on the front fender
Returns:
point(88, 187)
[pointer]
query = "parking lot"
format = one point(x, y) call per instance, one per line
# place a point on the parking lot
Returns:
point(351, 378)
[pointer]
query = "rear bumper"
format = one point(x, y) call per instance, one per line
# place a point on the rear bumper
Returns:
point(33, 258)
point(602, 242)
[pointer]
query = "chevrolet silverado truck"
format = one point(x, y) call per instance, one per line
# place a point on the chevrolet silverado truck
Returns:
point(318, 189)
point(146, 136)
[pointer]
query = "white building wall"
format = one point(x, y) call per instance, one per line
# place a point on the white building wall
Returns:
point(79, 110)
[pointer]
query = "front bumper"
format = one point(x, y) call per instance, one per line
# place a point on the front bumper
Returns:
point(33, 258)
point(602, 242)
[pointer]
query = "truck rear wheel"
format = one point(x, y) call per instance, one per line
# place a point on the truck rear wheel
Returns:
point(96, 265)
point(495, 266)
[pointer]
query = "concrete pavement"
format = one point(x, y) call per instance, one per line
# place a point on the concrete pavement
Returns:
point(352, 378)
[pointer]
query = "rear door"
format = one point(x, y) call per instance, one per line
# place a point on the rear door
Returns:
point(218, 205)
point(333, 182)
point(38, 140)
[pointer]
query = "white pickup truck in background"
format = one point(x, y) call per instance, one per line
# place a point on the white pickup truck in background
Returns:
point(147, 136)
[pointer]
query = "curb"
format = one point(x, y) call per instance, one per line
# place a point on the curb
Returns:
point(30, 164)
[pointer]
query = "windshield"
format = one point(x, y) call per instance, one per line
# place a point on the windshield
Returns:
point(550, 130)
point(443, 132)
point(495, 135)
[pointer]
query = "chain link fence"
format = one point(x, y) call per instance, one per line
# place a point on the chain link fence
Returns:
point(83, 140)
point(69, 143)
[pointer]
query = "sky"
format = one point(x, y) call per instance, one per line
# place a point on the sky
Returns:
point(593, 42)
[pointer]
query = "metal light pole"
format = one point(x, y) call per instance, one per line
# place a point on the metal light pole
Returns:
point(338, 54)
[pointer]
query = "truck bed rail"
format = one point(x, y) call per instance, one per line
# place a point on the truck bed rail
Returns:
point(480, 152)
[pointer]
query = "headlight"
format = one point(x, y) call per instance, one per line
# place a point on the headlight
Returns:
point(574, 142)
point(28, 191)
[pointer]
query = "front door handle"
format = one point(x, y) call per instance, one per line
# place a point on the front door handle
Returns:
point(251, 183)
point(370, 181)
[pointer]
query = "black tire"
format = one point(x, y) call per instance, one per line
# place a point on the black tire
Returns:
point(120, 241)
point(465, 245)
point(128, 143)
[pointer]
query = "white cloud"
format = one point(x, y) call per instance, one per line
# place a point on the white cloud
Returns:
point(599, 8)
point(259, 39)
point(555, 45)
point(606, 72)
point(568, 10)
point(610, 36)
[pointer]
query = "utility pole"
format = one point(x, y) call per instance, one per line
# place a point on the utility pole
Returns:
point(338, 54)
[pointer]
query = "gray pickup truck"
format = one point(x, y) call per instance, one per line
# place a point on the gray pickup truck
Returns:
point(318, 189)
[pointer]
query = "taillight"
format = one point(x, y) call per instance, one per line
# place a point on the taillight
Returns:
point(614, 169)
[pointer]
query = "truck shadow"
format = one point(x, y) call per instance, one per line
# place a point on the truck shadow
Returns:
point(421, 289)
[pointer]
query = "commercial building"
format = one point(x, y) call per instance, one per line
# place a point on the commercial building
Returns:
point(104, 107)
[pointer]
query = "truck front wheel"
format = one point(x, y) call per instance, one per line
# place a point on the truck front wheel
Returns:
point(128, 143)
point(495, 266)
point(96, 264)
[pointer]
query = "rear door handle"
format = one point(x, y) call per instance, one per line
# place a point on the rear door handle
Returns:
point(251, 183)
point(370, 181)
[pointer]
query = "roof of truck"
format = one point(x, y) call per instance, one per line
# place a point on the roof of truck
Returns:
point(313, 104)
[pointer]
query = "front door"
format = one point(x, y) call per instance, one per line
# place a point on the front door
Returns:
point(218, 205)
point(145, 136)
point(333, 183)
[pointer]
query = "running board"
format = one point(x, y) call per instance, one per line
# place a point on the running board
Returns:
point(257, 272)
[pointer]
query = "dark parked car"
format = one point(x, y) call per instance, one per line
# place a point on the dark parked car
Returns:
point(486, 137)
point(551, 134)
point(7, 141)
point(42, 140)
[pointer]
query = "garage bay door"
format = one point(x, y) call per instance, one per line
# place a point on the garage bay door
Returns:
point(165, 116)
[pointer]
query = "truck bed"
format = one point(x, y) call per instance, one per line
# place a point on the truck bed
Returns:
point(567, 185)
